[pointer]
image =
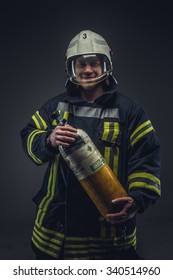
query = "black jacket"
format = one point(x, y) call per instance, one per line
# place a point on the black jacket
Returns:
point(123, 133)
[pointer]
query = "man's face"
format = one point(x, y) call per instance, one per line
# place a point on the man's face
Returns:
point(87, 68)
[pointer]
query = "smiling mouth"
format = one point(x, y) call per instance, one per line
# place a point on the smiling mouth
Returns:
point(88, 77)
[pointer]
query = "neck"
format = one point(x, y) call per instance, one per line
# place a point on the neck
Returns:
point(89, 95)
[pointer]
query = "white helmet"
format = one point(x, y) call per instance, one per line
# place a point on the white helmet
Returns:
point(88, 43)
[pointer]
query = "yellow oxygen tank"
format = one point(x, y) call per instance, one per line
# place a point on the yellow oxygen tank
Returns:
point(92, 171)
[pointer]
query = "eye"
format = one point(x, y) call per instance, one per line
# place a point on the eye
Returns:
point(81, 64)
point(95, 64)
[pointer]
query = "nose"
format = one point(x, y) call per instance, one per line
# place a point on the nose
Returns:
point(88, 68)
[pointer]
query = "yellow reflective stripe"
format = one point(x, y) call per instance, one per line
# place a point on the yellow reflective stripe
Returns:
point(127, 236)
point(65, 116)
point(130, 240)
point(102, 227)
point(111, 131)
point(126, 243)
point(54, 175)
point(144, 185)
point(54, 122)
point(62, 115)
point(113, 231)
point(144, 131)
point(85, 239)
point(43, 249)
point(111, 159)
point(141, 135)
point(42, 120)
point(103, 231)
point(49, 231)
point(48, 244)
point(106, 131)
point(52, 240)
point(134, 243)
point(97, 239)
point(84, 246)
point(36, 122)
point(39, 121)
point(29, 144)
point(116, 131)
point(107, 154)
point(140, 127)
point(39, 213)
point(50, 190)
point(144, 175)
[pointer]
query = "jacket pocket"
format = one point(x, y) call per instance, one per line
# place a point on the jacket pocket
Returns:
point(111, 141)
point(111, 132)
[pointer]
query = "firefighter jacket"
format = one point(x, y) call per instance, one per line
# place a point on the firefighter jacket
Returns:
point(123, 133)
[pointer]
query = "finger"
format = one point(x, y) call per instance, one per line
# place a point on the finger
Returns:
point(59, 131)
point(68, 127)
point(67, 132)
point(114, 220)
point(64, 138)
point(118, 215)
point(121, 199)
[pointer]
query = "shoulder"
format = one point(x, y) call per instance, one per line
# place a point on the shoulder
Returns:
point(126, 100)
point(127, 105)
point(52, 103)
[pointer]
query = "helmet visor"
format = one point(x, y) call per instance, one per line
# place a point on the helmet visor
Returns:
point(88, 68)
point(92, 60)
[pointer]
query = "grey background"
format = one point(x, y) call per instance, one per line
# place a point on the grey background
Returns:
point(33, 43)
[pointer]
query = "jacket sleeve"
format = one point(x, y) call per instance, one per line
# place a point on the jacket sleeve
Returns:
point(34, 136)
point(143, 159)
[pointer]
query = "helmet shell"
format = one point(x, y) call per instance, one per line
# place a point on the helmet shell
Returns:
point(88, 42)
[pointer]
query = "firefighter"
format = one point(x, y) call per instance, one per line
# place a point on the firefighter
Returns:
point(68, 225)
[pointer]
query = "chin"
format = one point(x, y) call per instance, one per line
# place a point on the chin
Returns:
point(89, 86)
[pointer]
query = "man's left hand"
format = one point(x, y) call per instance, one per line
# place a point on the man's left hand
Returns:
point(124, 209)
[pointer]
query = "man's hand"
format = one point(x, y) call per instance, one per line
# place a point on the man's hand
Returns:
point(125, 208)
point(62, 135)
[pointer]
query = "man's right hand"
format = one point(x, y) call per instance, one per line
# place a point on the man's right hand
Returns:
point(62, 135)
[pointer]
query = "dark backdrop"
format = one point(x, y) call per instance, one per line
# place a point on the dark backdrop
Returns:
point(34, 39)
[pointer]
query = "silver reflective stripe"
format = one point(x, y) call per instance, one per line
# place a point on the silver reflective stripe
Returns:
point(100, 42)
point(63, 106)
point(81, 111)
point(72, 44)
point(89, 112)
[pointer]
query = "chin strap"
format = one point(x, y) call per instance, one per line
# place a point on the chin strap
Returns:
point(90, 82)
point(72, 80)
